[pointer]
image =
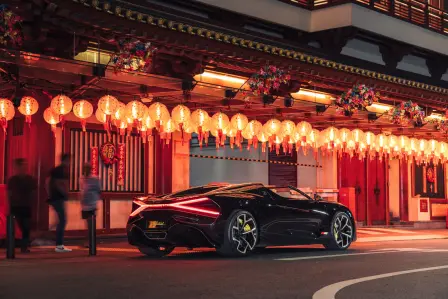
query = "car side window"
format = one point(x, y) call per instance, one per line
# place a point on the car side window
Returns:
point(261, 192)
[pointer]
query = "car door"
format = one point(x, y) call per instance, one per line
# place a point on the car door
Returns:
point(291, 221)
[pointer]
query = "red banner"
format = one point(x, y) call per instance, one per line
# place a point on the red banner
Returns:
point(121, 164)
point(94, 160)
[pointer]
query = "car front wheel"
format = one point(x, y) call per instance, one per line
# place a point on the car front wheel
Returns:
point(341, 233)
point(241, 234)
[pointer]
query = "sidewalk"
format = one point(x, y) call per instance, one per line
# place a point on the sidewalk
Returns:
point(373, 234)
point(365, 235)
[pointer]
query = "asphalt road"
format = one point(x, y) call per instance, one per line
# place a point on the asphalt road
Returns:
point(275, 273)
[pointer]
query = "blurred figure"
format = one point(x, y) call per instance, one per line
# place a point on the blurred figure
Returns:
point(90, 193)
point(58, 187)
point(21, 192)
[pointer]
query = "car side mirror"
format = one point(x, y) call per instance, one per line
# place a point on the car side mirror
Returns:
point(317, 197)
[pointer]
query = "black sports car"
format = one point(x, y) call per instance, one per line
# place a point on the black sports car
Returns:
point(236, 219)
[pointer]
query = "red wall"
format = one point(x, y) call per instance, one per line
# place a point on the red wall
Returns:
point(163, 170)
point(35, 143)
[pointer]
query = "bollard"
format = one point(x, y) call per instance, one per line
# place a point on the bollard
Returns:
point(10, 237)
point(92, 235)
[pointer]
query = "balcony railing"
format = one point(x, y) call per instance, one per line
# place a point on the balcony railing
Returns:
point(416, 12)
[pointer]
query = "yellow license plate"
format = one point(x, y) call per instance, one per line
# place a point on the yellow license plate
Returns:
point(155, 224)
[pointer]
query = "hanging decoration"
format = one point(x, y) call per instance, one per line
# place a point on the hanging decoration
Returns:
point(119, 113)
point(108, 105)
point(201, 121)
point(356, 98)
point(159, 114)
point(133, 55)
point(108, 154)
point(442, 126)
point(28, 107)
point(7, 113)
point(238, 122)
point(94, 160)
point(168, 129)
point(11, 28)
point(268, 80)
point(180, 115)
point(121, 168)
point(430, 175)
point(220, 122)
point(83, 110)
point(136, 111)
point(51, 118)
point(250, 133)
point(407, 113)
point(61, 105)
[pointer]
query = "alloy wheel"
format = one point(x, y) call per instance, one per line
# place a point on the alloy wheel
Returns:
point(343, 230)
point(244, 233)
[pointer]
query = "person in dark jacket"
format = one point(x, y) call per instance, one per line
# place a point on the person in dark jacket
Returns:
point(21, 193)
point(57, 188)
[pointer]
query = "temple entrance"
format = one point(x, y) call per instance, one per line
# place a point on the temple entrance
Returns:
point(368, 178)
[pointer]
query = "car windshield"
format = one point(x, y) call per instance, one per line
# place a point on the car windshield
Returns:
point(293, 193)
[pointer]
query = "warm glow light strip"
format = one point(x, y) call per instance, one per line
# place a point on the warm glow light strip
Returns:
point(180, 205)
point(222, 77)
point(317, 95)
point(380, 107)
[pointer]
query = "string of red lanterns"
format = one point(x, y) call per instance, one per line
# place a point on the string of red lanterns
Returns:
point(275, 134)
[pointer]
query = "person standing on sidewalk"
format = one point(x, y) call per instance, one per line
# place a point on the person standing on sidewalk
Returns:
point(90, 193)
point(58, 186)
point(21, 192)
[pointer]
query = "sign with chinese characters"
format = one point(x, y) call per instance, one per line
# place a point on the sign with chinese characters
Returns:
point(121, 164)
point(94, 160)
point(108, 154)
point(423, 206)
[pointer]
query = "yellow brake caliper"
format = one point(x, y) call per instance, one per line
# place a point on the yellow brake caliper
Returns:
point(335, 232)
point(246, 228)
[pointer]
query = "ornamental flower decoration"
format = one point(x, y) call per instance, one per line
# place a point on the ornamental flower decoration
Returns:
point(407, 113)
point(10, 28)
point(442, 126)
point(133, 55)
point(268, 79)
point(356, 98)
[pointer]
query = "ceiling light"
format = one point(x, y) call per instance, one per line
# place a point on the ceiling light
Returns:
point(223, 77)
point(309, 93)
point(379, 108)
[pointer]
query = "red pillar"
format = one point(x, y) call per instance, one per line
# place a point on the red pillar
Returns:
point(404, 191)
point(163, 170)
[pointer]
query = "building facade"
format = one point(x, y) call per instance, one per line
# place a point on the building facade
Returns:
point(204, 53)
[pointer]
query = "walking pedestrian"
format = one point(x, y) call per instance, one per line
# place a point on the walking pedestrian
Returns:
point(90, 193)
point(58, 186)
point(21, 192)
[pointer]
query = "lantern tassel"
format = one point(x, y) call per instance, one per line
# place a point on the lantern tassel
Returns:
point(83, 124)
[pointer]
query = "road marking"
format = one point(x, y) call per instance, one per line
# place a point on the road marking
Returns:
point(368, 232)
point(392, 230)
point(329, 292)
point(400, 238)
point(333, 255)
point(375, 251)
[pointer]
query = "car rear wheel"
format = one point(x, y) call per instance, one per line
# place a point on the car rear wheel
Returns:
point(156, 251)
point(341, 233)
point(241, 234)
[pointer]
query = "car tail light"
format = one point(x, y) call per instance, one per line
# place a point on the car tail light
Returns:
point(202, 206)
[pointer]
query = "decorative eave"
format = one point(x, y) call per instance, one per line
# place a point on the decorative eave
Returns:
point(205, 33)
